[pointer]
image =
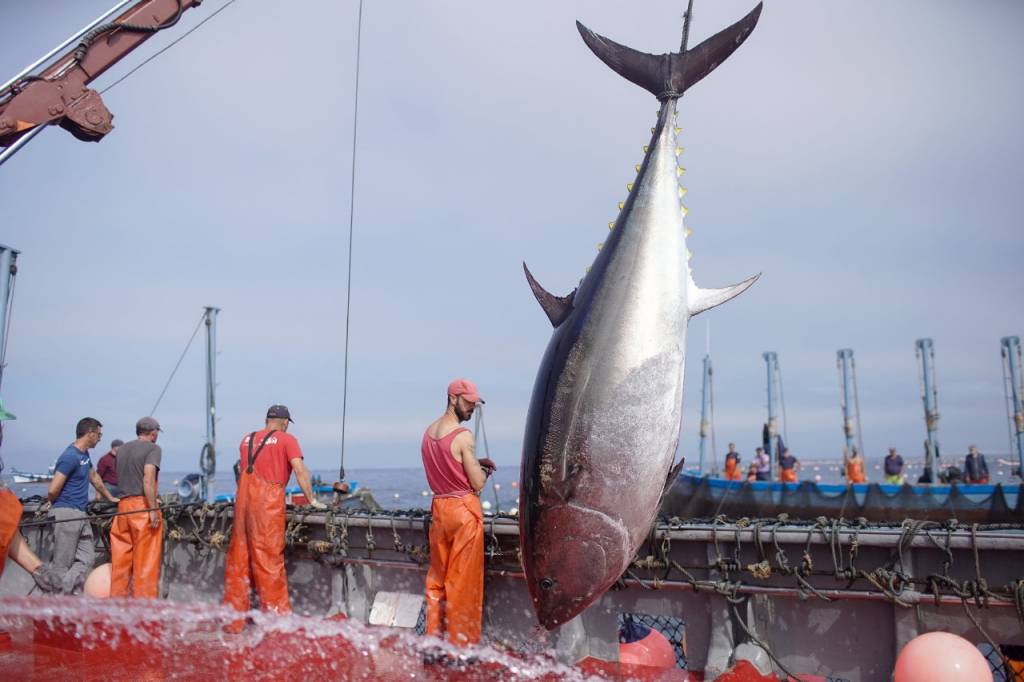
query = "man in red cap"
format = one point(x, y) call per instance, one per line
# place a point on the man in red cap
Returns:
point(455, 581)
point(256, 553)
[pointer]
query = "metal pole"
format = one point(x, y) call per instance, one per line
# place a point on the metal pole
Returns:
point(1012, 358)
point(930, 398)
point(705, 401)
point(771, 360)
point(208, 460)
point(8, 268)
point(844, 358)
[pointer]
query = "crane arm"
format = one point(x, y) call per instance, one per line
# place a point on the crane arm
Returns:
point(60, 94)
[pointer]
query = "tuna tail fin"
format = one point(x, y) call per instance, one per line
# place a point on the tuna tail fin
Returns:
point(703, 299)
point(557, 308)
point(669, 75)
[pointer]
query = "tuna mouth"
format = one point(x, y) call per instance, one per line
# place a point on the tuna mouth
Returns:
point(573, 569)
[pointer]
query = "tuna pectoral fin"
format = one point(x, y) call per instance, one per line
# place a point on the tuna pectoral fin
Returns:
point(702, 299)
point(673, 474)
point(556, 307)
point(669, 75)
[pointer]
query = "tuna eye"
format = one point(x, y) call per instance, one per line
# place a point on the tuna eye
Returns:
point(547, 583)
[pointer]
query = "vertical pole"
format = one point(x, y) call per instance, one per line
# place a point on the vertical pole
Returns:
point(771, 360)
point(930, 398)
point(8, 268)
point(705, 402)
point(208, 460)
point(844, 359)
point(1012, 358)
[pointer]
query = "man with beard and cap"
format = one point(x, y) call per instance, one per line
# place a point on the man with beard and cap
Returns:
point(455, 580)
point(136, 536)
point(12, 542)
point(256, 553)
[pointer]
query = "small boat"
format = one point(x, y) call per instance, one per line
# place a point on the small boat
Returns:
point(693, 496)
point(25, 477)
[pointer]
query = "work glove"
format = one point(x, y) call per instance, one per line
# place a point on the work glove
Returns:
point(487, 465)
point(318, 505)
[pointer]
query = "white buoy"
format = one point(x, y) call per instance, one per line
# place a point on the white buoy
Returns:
point(817, 477)
point(497, 486)
point(486, 505)
point(817, 468)
point(424, 493)
point(514, 511)
point(396, 496)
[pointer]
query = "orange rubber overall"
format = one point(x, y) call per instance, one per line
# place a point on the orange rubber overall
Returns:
point(256, 554)
point(135, 551)
point(732, 470)
point(10, 516)
point(855, 473)
point(455, 581)
point(787, 475)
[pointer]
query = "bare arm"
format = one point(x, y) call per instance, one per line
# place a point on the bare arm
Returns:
point(464, 449)
point(303, 478)
point(56, 485)
point(23, 554)
point(149, 492)
point(101, 487)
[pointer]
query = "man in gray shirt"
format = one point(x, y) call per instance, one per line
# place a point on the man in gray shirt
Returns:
point(136, 538)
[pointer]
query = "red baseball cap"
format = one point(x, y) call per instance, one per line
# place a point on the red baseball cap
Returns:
point(467, 389)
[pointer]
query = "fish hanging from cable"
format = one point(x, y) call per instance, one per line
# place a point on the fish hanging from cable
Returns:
point(604, 419)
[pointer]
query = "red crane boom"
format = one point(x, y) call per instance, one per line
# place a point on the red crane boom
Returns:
point(59, 95)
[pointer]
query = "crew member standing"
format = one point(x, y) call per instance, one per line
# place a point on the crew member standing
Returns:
point(893, 467)
point(788, 467)
point(136, 539)
point(975, 467)
point(73, 547)
point(256, 554)
point(107, 466)
point(732, 464)
point(455, 580)
point(854, 467)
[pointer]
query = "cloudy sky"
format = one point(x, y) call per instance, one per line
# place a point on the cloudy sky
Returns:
point(866, 158)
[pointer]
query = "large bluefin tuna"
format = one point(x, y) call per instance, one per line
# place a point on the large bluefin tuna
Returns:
point(604, 418)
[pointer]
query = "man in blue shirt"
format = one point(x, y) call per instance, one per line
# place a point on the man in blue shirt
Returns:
point(74, 550)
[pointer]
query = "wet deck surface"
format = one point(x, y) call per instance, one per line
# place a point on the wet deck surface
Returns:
point(81, 639)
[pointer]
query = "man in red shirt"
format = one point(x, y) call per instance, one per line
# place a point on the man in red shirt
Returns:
point(107, 467)
point(455, 581)
point(256, 554)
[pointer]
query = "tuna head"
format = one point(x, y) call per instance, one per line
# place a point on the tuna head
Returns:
point(576, 558)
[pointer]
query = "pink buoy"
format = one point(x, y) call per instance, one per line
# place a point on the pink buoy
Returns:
point(941, 657)
point(644, 646)
point(97, 585)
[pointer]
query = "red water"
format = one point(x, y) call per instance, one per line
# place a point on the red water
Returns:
point(84, 639)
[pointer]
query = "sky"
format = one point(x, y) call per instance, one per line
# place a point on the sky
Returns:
point(865, 158)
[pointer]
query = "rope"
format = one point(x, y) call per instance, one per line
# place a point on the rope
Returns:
point(91, 517)
point(351, 230)
point(175, 370)
point(169, 46)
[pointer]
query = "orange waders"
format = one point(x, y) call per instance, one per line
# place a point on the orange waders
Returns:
point(10, 516)
point(732, 470)
point(455, 581)
point(788, 476)
point(854, 473)
point(135, 551)
point(256, 553)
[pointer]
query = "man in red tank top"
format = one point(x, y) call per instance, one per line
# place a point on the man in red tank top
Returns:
point(455, 581)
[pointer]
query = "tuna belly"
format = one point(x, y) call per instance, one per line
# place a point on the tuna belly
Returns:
point(624, 440)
